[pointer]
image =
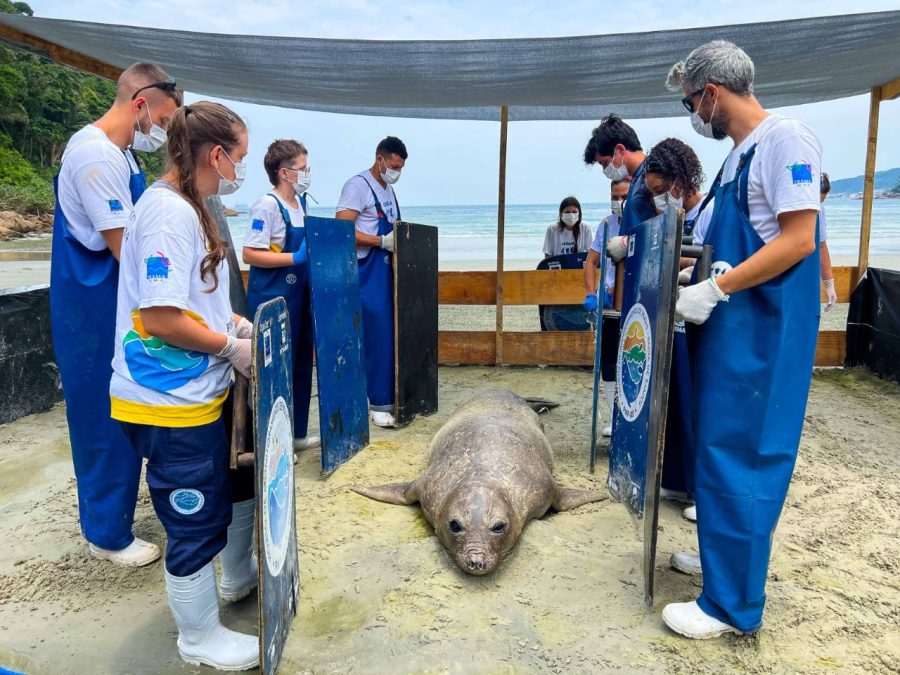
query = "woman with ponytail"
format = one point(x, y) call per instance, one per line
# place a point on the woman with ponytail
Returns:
point(177, 342)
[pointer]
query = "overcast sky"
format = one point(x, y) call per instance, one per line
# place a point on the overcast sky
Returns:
point(454, 162)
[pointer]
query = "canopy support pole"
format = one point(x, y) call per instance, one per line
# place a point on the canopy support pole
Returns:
point(501, 226)
point(865, 228)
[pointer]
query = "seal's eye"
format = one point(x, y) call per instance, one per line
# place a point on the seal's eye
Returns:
point(498, 528)
point(455, 527)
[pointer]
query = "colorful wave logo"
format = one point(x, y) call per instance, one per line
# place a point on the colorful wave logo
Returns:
point(157, 365)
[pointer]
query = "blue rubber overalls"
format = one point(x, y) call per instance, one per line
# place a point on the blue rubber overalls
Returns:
point(376, 293)
point(292, 283)
point(754, 360)
point(83, 288)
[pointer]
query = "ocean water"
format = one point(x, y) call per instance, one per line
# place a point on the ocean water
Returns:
point(469, 233)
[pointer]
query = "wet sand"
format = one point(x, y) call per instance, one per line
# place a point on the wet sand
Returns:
point(379, 595)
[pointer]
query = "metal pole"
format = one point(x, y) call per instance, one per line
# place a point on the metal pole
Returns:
point(865, 228)
point(501, 224)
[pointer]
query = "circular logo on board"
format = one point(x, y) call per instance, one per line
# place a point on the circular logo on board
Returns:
point(291, 278)
point(278, 482)
point(186, 501)
point(636, 354)
point(719, 268)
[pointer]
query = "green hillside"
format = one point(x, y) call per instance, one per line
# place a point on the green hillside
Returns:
point(41, 105)
point(884, 180)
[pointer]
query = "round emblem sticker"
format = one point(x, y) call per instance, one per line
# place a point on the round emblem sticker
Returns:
point(186, 501)
point(636, 352)
point(291, 278)
point(278, 482)
point(719, 268)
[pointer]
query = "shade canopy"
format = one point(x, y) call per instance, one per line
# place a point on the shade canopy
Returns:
point(570, 78)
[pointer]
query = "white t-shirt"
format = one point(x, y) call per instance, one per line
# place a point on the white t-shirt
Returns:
point(267, 227)
point(702, 222)
point(784, 174)
point(559, 241)
point(597, 246)
point(154, 382)
point(94, 191)
point(357, 196)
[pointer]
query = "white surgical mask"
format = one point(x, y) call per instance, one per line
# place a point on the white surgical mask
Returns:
point(304, 179)
point(661, 202)
point(613, 172)
point(390, 176)
point(703, 128)
point(569, 219)
point(153, 140)
point(227, 186)
point(616, 206)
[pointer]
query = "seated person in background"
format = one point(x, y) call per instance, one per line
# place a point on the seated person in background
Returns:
point(824, 255)
point(568, 234)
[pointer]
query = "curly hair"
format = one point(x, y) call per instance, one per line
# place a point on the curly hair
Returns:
point(676, 162)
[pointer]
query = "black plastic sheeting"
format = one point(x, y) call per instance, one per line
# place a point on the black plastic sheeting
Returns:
point(29, 379)
point(873, 324)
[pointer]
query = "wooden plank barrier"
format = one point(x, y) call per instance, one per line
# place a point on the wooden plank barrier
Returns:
point(535, 287)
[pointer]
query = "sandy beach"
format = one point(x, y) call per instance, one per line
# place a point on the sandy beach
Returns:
point(378, 594)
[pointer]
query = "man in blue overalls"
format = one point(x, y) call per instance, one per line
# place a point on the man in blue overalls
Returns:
point(368, 199)
point(616, 147)
point(758, 318)
point(98, 183)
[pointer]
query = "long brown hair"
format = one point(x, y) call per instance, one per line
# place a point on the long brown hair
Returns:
point(196, 129)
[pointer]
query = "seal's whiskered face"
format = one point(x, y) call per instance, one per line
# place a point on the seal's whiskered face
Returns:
point(477, 528)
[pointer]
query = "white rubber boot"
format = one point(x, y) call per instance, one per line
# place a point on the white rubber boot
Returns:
point(690, 513)
point(239, 572)
point(306, 442)
point(686, 618)
point(610, 389)
point(137, 554)
point(201, 638)
point(382, 419)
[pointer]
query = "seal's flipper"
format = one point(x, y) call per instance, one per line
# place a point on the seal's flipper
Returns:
point(392, 493)
point(570, 498)
point(540, 405)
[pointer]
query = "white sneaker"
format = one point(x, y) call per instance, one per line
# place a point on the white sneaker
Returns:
point(673, 495)
point(690, 513)
point(201, 637)
point(137, 554)
point(382, 419)
point(687, 562)
point(686, 618)
point(306, 443)
point(239, 571)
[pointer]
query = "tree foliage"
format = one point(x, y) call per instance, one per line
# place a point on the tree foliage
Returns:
point(41, 105)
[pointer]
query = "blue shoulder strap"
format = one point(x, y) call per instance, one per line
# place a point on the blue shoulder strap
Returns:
point(284, 212)
point(742, 175)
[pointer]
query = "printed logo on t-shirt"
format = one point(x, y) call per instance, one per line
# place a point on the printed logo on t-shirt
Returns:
point(568, 247)
point(257, 225)
point(158, 266)
point(801, 172)
point(115, 206)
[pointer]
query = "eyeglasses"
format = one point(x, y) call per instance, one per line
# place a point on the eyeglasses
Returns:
point(686, 101)
point(165, 85)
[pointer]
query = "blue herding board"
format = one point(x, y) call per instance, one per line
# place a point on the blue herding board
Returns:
point(273, 401)
point(642, 375)
point(337, 315)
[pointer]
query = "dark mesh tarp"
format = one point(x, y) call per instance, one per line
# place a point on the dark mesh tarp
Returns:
point(799, 61)
point(873, 324)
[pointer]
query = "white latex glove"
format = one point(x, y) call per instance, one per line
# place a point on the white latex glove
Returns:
point(684, 276)
point(617, 248)
point(237, 350)
point(387, 242)
point(695, 303)
point(830, 294)
point(244, 329)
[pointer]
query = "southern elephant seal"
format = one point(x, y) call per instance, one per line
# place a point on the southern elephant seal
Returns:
point(490, 471)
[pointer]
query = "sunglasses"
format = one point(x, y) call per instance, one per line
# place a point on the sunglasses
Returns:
point(686, 101)
point(165, 85)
